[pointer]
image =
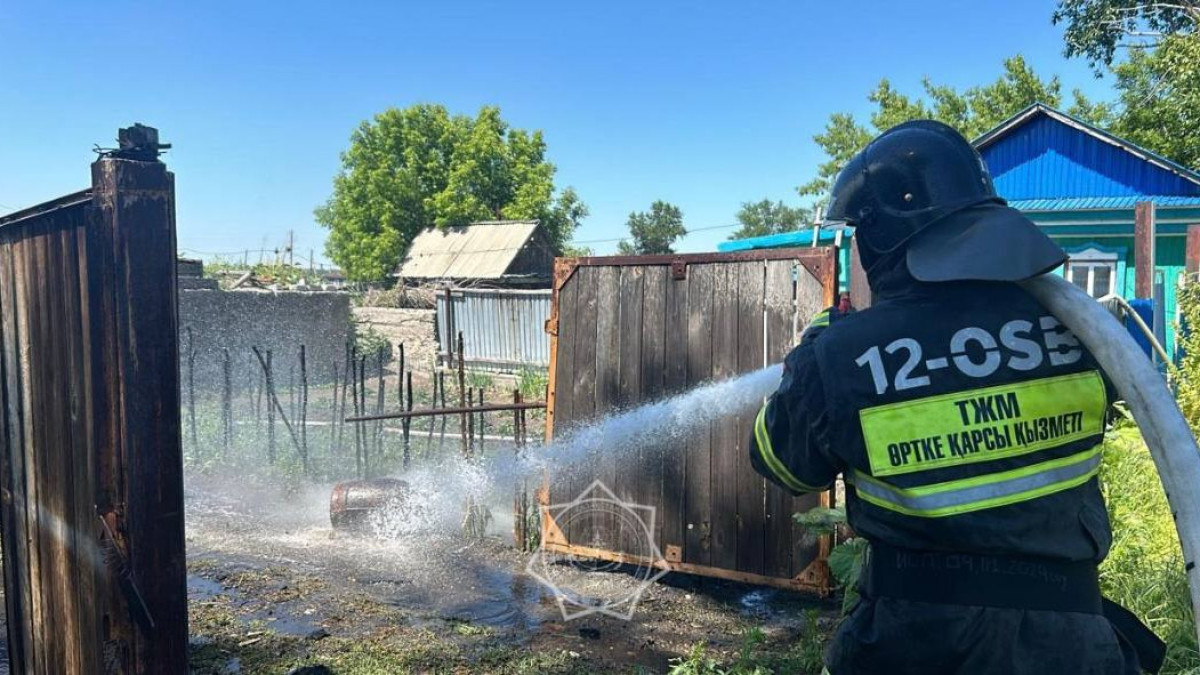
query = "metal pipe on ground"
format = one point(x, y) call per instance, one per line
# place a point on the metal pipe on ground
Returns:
point(1166, 432)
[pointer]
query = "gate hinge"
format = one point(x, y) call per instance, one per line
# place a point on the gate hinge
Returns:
point(678, 270)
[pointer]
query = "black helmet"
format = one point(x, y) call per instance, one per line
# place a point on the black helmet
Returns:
point(921, 186)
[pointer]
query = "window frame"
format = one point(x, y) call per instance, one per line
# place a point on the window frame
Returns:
point(1089, 259)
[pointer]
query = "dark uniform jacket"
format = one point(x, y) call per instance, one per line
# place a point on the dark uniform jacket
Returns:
point(964, 418)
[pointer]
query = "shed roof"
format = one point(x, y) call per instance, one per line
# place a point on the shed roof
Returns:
point(483, 250)
point(1045, 154)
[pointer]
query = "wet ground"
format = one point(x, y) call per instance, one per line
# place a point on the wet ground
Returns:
point(272, 588)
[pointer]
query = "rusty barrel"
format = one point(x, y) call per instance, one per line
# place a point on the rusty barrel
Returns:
point(354, 501)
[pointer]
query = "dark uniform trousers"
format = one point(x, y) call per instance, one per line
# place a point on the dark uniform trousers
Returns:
point(966, 421)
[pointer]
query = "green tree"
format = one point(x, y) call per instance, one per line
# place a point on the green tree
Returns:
point(408, 169)
point(653, 231)
point(972, 111)
point(766, 217)
point(1158, 81)
point(1096, 29)
point(1159, 93)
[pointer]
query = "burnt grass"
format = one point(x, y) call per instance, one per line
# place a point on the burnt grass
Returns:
point(272, 619)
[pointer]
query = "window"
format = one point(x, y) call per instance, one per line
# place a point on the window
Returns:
point(1094, 271)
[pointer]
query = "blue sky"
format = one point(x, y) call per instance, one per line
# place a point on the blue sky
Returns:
point(705, 105)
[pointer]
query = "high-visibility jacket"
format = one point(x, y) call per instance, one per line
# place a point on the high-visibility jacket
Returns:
point(964, 418)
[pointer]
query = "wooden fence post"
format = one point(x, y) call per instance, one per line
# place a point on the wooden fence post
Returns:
point(135, 416)
point(1192, 250)
point(1143, 245)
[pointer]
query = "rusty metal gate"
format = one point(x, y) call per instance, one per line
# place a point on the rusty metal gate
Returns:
point(90, 457)
point(626, 330)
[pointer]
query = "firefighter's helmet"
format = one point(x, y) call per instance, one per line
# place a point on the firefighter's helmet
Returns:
point(921, 188)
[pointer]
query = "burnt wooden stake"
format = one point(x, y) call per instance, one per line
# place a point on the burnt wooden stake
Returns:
point(483, 426)
point(379, 401)
point(333, 414)
point(227, 400)
point(449, 329)
point(521, 498)
point(274, 404)
point(267, 386)
point(358, 469)
point(462, 397)
point(304, 409)
point(406, 425)
point(432, 402)
point(347, 374)
point(362, 438)
point(470, 422)
point(292, 391)
point(256, 394)
point(191, 361)
point(400, 376)
point(442, 437)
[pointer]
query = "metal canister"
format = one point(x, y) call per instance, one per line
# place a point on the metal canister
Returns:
point(353, 502)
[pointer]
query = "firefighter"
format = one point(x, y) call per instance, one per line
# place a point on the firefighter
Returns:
point(966, 421)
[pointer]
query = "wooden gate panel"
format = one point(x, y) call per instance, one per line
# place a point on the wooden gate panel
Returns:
point(751, 487)
point(697, 547)
point(89, 422)
point(673, 457)
point(631, 330)
point(780, 310)
point(607, 365)
point(725, 436)
point(629, 470)
point(564, 395)
point(649, 489)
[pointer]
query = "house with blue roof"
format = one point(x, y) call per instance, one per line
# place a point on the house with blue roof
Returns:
point(1081, 185)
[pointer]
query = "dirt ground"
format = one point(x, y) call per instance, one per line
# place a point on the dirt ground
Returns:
point(272, 589)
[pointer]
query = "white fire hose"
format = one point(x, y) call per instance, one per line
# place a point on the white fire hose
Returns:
point(1167, 434)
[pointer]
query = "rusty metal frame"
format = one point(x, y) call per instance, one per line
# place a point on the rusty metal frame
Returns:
point(822, 263)
point(815, 578)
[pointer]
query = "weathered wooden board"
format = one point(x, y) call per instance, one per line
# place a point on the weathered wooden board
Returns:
point(633, 330)
point(751, 487)
point(697, 496)
point(89, 418)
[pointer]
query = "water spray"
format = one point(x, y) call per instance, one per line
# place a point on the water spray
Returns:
point(650, 427)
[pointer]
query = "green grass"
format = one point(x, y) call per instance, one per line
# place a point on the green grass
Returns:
point(1144, 570)
point(757, 655)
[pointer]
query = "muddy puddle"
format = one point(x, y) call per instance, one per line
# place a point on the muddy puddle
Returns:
point(431, 574)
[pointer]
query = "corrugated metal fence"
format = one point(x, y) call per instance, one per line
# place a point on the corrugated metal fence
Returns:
point(90, 454)
point(502, 329)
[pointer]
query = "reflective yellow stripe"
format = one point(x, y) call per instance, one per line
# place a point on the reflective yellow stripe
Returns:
point(820, 320)
point(983, 424)
point(981, 492)
point(767, 452)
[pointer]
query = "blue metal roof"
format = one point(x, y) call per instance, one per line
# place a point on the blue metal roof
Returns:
point(1044, 154)
point(1086, 203)
point(784, 240)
